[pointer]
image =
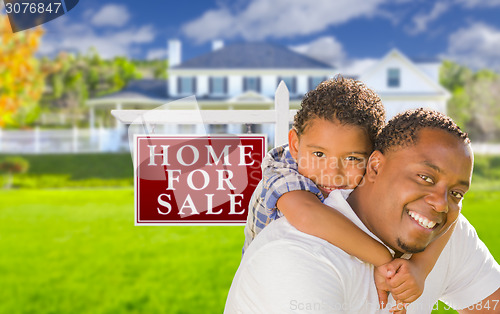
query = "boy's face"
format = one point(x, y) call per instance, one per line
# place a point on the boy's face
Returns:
point(332, 155)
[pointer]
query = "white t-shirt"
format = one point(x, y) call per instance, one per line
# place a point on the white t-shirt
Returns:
point(287, 271)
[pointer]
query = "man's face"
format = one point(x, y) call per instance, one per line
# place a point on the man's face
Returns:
point(332, 155)
point(419, 190)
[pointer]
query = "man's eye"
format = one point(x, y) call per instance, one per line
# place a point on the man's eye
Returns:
point(457, 195)
point(426, 178)
point(318, 154)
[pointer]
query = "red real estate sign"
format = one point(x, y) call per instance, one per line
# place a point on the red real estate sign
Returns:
point(193, 180)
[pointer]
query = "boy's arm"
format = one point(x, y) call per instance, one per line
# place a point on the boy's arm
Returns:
point(408, 281)
point(427, 259)
point(308, 214)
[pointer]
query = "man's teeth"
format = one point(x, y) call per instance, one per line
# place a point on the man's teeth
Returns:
point(424, 222)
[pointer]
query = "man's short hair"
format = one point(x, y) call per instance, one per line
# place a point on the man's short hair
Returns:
point(403, 129)
point(347, 100)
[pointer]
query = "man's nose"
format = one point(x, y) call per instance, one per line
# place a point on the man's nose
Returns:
point(438, 199)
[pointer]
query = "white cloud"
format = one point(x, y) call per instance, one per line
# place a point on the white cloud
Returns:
point(479, 3)
point(357, 67)
point(111, 15)
point(477, 46)
point(63, 34)
point(326, 49)
point(329, 50)
point(421, 21)
point(262, 19)
point(156, 54)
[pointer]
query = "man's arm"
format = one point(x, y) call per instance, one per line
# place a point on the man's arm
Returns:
point(489, 305)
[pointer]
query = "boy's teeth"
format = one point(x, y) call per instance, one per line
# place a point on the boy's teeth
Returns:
point(423, 221)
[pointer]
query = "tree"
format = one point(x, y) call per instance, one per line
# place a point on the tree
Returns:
point(474, 101)
point(72, 79)
point(21, 81)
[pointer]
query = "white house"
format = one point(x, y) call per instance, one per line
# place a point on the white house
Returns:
point(405, 84)
point(245, 76)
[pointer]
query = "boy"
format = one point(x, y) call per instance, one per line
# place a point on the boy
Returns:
point(332, 137)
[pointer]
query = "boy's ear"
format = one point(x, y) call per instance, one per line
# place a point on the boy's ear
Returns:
point(293, 143)
point(374, 165)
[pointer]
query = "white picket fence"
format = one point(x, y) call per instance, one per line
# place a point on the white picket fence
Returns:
point(42, 141)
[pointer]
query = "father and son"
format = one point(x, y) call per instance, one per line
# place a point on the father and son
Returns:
point(369, 215)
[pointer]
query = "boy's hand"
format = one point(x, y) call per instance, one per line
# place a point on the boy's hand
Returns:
point(400, 277)
point(407, 282)
point(399, 308)
point(380, 274)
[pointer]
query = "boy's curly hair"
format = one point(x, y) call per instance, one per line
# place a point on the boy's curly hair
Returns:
point(403, 129)
point(347, 100)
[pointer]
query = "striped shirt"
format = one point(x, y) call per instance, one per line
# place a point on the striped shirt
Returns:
point(279, 175)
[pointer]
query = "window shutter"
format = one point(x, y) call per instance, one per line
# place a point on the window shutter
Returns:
point(294, 85)
point(211, 85)
point(179, 85)
point(310, 83)
point(194, 85)
point(258, 84)
point(225, 85)
point(245, 87)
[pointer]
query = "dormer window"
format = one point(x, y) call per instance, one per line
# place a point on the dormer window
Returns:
point(393, 77)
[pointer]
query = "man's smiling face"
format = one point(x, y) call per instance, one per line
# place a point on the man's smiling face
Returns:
point(418, 190)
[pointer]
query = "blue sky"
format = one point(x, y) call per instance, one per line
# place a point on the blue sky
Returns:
point(347, 33)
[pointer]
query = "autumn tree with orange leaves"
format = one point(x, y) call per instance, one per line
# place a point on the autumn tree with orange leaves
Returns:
point(21, 81)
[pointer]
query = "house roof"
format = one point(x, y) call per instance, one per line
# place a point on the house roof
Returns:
point(145, 90)
point(253, 55)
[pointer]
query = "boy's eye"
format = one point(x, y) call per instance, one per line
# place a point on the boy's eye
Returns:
point(426, 178)
point(353, 158)
point(319, 154)
point(457, 195)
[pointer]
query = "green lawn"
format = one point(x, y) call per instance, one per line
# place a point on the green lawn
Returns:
point(78, 251)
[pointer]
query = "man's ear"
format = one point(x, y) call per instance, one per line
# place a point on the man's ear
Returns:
point(293, 143)
point(374, 165)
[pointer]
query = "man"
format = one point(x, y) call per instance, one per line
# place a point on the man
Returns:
point(411, 194)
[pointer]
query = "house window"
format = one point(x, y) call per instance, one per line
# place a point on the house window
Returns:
point(314, 81)
point(186, 128)
point(218, 85)
point(251, 83)
point(290, 82)
point(251, 128)
point(186, 85)
point(393, 77)
point(217, 128)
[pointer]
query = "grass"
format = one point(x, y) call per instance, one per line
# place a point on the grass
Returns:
point(75, 170)
point(77, 251)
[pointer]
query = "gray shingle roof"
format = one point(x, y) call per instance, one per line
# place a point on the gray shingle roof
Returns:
point(254, 56)
point(139, 89)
